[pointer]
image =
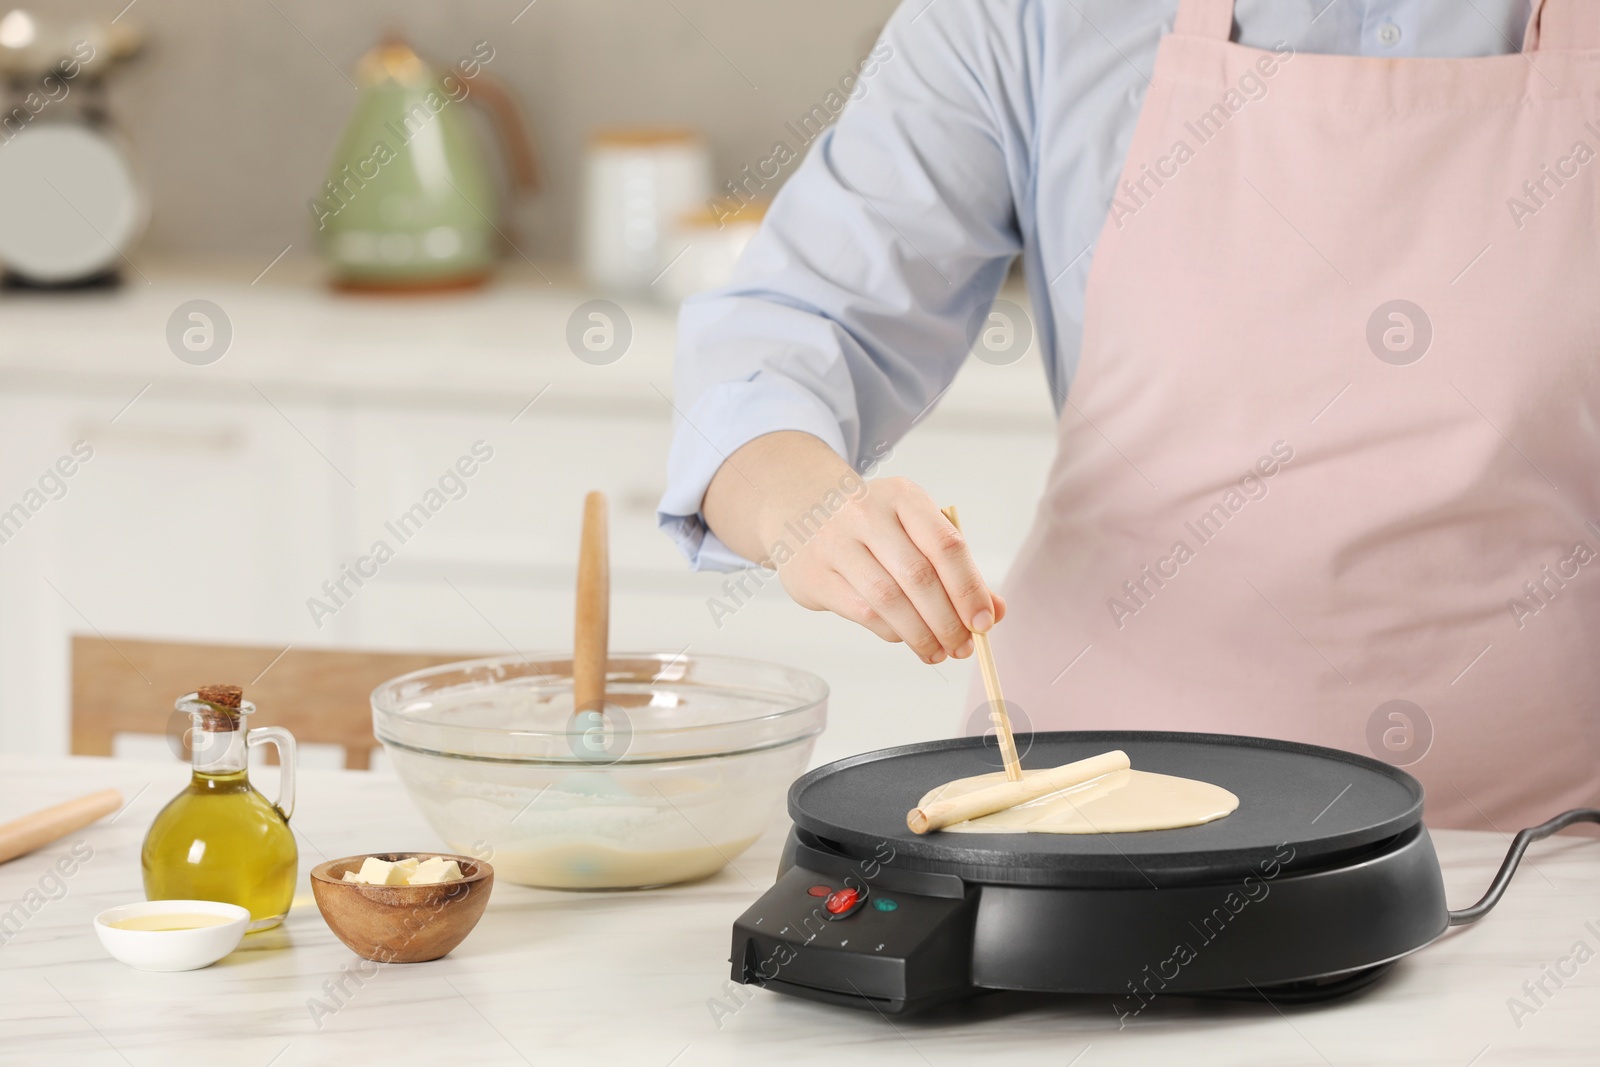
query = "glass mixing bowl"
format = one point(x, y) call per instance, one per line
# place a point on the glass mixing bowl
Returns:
point(687, 766)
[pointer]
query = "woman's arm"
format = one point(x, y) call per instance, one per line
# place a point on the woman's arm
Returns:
point(848, 316)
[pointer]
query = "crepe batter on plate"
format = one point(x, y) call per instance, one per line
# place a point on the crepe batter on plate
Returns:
point(1123, 801)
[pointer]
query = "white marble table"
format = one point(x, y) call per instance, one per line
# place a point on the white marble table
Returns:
point(631, 978)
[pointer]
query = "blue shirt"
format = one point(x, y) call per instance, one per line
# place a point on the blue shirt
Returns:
point(978, 131)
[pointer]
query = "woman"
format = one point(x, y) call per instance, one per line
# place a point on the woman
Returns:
point(1316, 304)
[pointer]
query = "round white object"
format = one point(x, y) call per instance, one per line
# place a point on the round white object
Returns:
point(69, 204)
point(172, 950)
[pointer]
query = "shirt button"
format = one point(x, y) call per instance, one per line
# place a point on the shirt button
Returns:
point(1388, 34)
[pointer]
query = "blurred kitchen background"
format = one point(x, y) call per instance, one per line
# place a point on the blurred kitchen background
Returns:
point(234, 109)
point(214, 411)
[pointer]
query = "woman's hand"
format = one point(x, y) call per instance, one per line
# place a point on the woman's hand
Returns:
point(880, 552)
point(892, 562)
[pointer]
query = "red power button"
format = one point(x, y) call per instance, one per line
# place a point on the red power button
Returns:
point(842, 901)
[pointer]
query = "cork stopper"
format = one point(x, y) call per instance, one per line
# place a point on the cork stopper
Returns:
point(224, 701)
point(226, 696)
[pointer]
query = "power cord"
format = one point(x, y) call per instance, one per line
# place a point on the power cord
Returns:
point(1519, 845)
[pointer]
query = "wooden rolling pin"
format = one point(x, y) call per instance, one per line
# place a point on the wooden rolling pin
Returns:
point(33, 831)
point(987, 801)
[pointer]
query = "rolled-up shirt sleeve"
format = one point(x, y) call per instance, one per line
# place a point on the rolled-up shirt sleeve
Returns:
point(848, 314)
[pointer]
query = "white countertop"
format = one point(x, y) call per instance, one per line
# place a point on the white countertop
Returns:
point(296, 339)
point(630, 978)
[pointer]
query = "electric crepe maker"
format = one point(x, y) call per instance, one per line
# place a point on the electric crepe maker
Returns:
point(1313, 888)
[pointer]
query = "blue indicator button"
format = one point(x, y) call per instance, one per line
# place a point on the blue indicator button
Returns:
point(884, 904)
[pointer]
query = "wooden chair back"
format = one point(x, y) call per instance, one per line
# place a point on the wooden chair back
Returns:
point(123, 685)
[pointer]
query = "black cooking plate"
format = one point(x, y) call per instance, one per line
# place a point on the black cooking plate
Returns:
point(1326, 805)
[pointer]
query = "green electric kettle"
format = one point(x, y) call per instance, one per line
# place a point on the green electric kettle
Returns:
point(411, 202)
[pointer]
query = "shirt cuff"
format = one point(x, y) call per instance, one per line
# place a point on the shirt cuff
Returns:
point(727, 417)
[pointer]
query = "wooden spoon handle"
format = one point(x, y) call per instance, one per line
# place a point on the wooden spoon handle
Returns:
point(593, 624)
point(39, 828)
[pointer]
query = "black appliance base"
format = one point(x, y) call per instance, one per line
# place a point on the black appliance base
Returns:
point(1290, 931)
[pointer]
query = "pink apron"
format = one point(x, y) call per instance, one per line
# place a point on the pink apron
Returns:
point(1330, 469)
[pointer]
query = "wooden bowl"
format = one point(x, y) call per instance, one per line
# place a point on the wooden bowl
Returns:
point(401, 923)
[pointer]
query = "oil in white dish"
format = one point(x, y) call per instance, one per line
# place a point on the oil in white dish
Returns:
point(170, 920)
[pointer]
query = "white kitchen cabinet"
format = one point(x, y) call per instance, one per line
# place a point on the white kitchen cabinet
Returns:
point(523, 505)
point(33, 667)
point(190, 520)
point(222, 500)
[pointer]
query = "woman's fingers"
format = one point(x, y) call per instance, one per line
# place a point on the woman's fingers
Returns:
point(922, 580)
point(891, 562)
point(885, 596)
point(841, 598)
point(946, 549)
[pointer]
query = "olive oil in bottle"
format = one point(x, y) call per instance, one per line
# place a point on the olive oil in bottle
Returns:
point(220, 839)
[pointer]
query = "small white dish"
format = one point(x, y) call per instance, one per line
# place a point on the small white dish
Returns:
point(172, 950)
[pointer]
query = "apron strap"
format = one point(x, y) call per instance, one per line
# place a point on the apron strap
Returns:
point(1205, 18)
point(1563, 25)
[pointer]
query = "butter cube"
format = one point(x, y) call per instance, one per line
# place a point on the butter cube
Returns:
point(436, 870)
point(381, 872)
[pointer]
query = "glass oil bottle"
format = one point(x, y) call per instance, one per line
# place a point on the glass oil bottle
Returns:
point(220, 839)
